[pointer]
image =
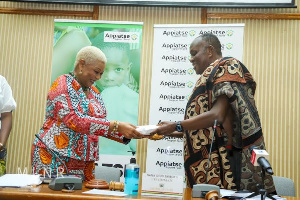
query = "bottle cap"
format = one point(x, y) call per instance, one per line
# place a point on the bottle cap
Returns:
point(132, 160)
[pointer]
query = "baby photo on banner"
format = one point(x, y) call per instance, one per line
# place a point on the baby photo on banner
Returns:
point(119, 84)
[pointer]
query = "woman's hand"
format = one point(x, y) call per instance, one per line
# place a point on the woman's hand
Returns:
point(129, 131)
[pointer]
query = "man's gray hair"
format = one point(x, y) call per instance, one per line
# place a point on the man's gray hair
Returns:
point(213, 40)
point(90, 54)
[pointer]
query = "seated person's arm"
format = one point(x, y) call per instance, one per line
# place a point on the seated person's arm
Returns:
point(6, 124)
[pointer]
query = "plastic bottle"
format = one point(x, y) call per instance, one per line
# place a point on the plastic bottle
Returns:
point(132, 172)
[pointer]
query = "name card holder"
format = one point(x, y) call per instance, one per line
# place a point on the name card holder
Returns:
point(162, 185)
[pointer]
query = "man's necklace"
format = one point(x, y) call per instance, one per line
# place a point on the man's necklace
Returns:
point(83, 87)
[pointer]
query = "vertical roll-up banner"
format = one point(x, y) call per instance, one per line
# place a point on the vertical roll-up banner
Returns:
point(119, 85)
point(173, 79)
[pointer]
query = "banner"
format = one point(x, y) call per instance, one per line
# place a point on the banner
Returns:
point(119, 84)
point(173, 79)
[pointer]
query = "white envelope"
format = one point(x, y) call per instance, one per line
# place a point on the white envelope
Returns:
point(146, 130)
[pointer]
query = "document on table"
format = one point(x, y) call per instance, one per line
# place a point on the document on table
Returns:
point(105, 192)
point(230, 194)
point(19, 180)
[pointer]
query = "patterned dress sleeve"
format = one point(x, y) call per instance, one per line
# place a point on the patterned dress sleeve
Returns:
point(68, 103)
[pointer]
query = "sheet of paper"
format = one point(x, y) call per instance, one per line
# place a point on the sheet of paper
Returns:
point(244, 195)
point(19, 180)
point(226, 192)
point(161, 196)
point(258, 197)
point(105, 192)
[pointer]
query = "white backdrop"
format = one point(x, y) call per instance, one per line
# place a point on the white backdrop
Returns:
point(173, 79)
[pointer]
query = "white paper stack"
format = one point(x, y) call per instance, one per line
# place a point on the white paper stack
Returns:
point(19, 180)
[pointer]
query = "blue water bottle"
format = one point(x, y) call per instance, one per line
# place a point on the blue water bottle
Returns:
point(132, 172)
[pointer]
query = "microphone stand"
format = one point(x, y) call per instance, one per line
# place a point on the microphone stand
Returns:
point(200, 190)
point(210, 149)
point(261, 189)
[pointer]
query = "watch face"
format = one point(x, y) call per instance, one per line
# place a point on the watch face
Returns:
point(178, 127)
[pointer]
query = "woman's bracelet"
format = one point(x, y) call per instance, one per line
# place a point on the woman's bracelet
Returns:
point(116, 126)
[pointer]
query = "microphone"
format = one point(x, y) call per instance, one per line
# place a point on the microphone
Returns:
point(69, 182)
point(260, 157)
point(200, 190)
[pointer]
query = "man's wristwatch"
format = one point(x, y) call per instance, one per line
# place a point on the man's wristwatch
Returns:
point(179, 127)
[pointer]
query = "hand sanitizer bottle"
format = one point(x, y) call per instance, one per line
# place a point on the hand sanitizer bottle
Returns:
point(132, 171)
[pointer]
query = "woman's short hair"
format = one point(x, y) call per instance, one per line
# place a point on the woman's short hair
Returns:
point(90, 54)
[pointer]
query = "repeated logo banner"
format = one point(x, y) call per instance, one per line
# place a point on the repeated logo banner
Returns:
point(119, 84)
point(173, 79)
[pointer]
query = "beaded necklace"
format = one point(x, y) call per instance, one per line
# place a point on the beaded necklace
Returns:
point(83, 87)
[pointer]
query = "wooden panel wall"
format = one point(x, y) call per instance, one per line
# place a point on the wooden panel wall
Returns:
point(271, 52)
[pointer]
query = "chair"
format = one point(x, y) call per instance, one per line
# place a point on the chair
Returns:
point(284, 186)
point(107, 173)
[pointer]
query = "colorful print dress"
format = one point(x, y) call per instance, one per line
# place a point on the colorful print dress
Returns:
point(71, 128)
point(228, 168)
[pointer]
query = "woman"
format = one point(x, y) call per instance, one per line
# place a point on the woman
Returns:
point(7, 105)
point(75, 117)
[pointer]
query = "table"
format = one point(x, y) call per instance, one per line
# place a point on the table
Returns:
point(42, 192)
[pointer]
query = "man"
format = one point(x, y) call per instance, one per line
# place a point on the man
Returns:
point(225, 93)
